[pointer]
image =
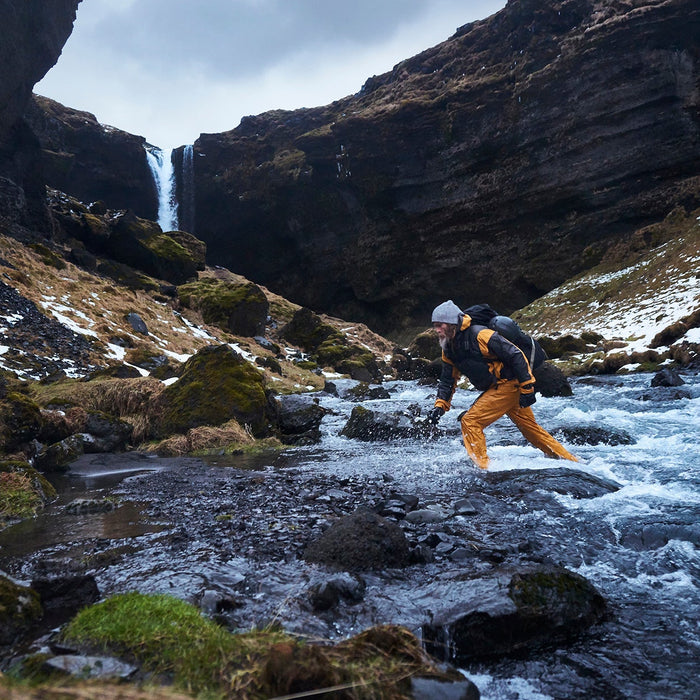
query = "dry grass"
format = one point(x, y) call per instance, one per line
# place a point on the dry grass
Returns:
point(204, 438)
point(135, 401)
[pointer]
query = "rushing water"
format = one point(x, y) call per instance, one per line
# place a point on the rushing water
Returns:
point(164, 178)
point(637, 545)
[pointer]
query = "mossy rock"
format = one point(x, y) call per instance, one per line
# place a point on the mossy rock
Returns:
point(328, 347)
point(19, 610)
point(240, 308)
point(38, 489)
point(425, 345)
point(141, 244)
point(308, 331)
point(127, 276)
point(216, 385)
point(20, 421)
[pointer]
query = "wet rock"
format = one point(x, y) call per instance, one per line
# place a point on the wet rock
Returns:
point(327, 594)
point(592, 435)
point(551, 381)
point(81, 506)
point(667, 377)
point(433, 689)
point(58, 456)
point(298, 419)
point(428, 515)
point(19, 610)
point(369, 426)
point(360, 541)
point(513, 611)
point(365, 392)
point(63, 596)
point(93, 667)
point(666, 393)
point(521, 482)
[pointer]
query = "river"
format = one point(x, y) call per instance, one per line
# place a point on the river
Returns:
point(230, 529)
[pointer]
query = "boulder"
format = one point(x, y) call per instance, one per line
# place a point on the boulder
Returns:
point(298, 419)
point(63, 596)
point(241, 308)
point(551, 381)
point(20, 609)
point(592, 435)
point(57, 456)
point(513, 611)
point(372, 426)
point(328, 347)
point(520, 482)
point(216, 385)
point(667, 377)
point(360, 541)
point(20, 421)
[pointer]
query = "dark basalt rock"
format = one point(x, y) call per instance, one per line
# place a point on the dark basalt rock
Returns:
point(520, 482)
point(482, 168)
point(34, 33)
point(592, 435)
point(360, 541)
point(92, 162)
point(515, 611)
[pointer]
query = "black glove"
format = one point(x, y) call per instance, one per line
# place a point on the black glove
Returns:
point(527, 399)
point(434, 416)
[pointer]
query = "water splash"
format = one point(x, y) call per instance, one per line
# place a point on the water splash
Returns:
point(164, 179)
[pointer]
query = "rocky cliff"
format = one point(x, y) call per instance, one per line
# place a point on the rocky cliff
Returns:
point(91, 161)
point(34, 33)
point(491, 167)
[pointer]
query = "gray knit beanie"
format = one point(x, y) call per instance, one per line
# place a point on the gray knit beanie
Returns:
point(447, 312)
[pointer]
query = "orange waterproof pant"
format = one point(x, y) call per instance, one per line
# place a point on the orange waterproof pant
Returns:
point(498, 401)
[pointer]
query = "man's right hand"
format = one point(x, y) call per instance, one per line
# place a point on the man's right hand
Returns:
point(434, 416)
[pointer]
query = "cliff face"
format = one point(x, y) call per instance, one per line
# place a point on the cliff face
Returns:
point(91, 161)
point(489, 168)
point(34, 33)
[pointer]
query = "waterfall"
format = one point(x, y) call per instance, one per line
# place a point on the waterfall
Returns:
point(186, 205)
point(164, 178)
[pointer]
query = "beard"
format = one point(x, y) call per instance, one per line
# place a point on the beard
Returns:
point(450, 333)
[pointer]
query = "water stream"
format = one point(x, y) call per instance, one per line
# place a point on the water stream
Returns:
point(236, 535)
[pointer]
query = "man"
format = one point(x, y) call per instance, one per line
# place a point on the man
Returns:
point(499, 370)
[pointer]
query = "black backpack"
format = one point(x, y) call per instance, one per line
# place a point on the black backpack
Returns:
point(484, 315)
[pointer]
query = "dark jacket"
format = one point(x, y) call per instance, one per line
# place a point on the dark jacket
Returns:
point(485, 357)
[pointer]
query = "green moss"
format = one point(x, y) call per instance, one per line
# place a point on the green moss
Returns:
point(216, 385)
point(240, 308)
point(48, 257)
point(169, 637)
point(19, 607)
point(20, 421)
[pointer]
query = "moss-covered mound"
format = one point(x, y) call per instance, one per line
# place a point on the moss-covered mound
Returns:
point(169, 637)
point(238, 307)
point(328, 347)
point(20, 421)
point(216, 385)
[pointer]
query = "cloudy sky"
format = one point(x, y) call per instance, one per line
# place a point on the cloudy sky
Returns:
point(172, 69)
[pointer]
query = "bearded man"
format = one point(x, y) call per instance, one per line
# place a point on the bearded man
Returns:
point(498, 369)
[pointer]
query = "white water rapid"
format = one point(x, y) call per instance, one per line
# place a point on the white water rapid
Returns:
point(164, 179)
